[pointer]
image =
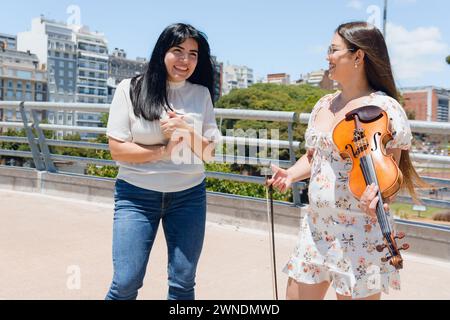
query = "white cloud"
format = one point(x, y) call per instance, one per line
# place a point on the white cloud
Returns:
point(416, 53)
point(355, 4)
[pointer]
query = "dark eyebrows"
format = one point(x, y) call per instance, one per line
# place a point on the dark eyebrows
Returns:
point(180, 47)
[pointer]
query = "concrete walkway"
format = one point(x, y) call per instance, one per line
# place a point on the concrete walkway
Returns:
point(53, 248)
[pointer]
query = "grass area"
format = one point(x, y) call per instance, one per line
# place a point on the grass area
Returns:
point(405, 211)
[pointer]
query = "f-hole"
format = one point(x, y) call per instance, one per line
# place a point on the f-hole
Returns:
point(375, 142)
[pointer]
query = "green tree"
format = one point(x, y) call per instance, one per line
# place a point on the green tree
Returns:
point(448, 59)
point(272, 97)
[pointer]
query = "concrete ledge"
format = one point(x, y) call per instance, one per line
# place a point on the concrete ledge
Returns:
point(245, 212)
point(78, 187)
point(19, 179)
point(250, 212)
point(430, 241)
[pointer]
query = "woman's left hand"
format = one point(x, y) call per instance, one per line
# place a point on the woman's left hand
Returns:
point(174, 123)
point(369, 200)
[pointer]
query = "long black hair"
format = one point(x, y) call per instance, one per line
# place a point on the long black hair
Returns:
point(148, 92)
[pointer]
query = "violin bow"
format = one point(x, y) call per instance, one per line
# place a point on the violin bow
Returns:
point(271, 224)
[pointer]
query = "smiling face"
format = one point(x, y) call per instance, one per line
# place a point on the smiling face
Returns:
point(181, 60)
point(341, 60)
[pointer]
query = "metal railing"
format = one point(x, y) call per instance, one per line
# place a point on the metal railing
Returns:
point(44, 160)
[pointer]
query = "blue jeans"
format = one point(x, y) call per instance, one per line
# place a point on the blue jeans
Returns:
point(136, 219)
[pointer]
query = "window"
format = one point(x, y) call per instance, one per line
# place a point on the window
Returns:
point(70, 65)
point(28, 96)
point(28, 86)
point(61, 73)
point(61, 82)
point(24, 74)
point(19, 95)
point(19, 85)
point(61, 64)
point(70, 74)
point(39, 97)
point(57, 54)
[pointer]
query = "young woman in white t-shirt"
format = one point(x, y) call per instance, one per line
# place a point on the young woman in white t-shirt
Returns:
point(161, 128)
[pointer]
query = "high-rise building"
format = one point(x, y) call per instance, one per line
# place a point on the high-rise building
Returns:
point(236, 77)
point(8, 41)
point(121, 68)
point(55, 47)
point(22, 78)
point(92, 75)
point(218, 78)
point(77, 62)
point(427, 103)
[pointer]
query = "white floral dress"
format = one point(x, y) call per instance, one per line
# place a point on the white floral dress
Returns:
point(337, 241)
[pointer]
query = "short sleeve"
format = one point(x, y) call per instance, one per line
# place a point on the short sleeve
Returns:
point(210, 130)
point(311, 135)
point(399, 126)
point(119, 126)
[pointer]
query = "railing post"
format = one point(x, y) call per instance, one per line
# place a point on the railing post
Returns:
point(31, 140)
point(295, 189)
point(43, 144)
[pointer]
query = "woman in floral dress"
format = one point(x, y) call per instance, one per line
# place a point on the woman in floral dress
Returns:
point(339, 234)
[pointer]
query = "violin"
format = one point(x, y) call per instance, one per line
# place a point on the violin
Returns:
point(362, 137)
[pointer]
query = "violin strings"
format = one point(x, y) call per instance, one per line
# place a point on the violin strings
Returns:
point(368, 167)
point(370, 176)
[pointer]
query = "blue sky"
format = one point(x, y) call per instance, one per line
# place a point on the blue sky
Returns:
point(269, 36)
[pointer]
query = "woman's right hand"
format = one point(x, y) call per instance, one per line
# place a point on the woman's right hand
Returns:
point(281, 179)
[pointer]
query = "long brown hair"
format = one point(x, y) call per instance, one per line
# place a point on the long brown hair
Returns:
point(368, 38)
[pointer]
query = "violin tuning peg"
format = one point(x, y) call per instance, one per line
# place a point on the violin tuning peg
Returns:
point(400, 235)
point(405, 246)
point(381, 247)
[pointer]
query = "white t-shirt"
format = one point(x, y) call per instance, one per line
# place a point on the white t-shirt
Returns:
point(194, 101)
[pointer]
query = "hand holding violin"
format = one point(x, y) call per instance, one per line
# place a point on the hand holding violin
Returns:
point(369, 200)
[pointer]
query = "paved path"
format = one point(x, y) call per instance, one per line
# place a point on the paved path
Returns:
point(46, 241)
